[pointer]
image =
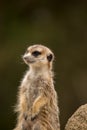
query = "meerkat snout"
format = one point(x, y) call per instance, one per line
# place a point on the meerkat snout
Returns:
point(25, 57)
point(28, 59)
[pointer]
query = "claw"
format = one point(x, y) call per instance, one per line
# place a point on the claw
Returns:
point(33, 117)
point(25, 116)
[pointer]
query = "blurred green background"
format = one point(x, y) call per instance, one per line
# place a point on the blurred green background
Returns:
point(60, 25)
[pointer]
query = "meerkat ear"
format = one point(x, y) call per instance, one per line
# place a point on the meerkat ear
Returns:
point(50, 57)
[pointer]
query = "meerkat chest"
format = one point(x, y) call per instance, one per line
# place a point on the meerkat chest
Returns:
point(33, 88)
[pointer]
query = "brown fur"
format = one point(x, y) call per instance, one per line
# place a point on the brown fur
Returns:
point(37, 99)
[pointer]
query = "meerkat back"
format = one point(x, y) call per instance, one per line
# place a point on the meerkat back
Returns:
point(37, 104)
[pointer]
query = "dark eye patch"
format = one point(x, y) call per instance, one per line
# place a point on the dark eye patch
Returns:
point(36, 53)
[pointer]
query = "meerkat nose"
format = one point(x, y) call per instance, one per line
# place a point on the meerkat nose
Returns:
point(25, 57)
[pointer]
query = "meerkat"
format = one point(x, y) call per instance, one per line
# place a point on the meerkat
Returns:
point(37, 105)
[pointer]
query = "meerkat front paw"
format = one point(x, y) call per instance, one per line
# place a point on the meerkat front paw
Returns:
point(31, 115)
point(34, 113)
point(26, 125)
point(27, 116)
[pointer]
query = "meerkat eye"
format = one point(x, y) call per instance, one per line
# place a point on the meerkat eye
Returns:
point(36, 53)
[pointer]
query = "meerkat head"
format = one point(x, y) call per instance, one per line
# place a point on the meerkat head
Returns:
point(38, 56)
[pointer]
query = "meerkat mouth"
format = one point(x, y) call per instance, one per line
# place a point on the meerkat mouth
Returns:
point(28, 60)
